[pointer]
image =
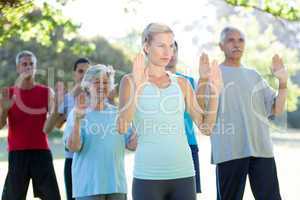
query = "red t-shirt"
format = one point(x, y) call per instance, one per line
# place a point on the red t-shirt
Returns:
point(26, 118)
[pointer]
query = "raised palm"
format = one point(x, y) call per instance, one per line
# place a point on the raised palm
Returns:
point(278, 69)
point(5, 100)
point(139, 70)
point(215, 78)
point(211, 72)
point(81, 106)
point(204, 67)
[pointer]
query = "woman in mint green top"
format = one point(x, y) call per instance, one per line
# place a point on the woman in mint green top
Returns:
point(98, 163)
point(155, 101)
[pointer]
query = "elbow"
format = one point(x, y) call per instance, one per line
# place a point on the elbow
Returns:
point(74, 147)
point(2, 125)
point(121, 129)
point(207, 129)
point(207, 132)
point(278, 111)
point(275, 114)
point(46, 130)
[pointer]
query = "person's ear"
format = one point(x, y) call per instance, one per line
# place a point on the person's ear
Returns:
point(74, 75)
point(18, 66)
point(221, 46)
point(146, 48)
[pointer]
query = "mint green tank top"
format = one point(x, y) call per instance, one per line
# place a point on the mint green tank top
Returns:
point(163, 152)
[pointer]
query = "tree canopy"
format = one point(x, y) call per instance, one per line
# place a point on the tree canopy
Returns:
point(284, 9)
point(27, 20)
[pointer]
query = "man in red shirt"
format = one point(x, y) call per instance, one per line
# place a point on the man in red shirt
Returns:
point(25, 106)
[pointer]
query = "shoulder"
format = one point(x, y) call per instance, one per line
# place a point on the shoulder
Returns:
point(189, 78)
point(126, 80)
point(253, 73)
point(251, 70)
point(184, 85)
point(42, 87)
point(182, 81)
point(127, 77)
point(184, 76)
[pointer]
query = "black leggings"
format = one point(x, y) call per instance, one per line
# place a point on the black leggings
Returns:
point(68, 178)
point(174, 189)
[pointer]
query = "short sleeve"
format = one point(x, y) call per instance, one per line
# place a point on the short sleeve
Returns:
point(63, 107)
point(267, 94)
point(269, 98)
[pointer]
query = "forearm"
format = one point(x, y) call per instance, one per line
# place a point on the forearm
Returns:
point(125, 118)
point(210, 115)
point(3, 117)
point(209, 109)
point(127, 110)
point(279, 104)
point(74, 141)
point(51, 122)
point(201, 93)
point(53, 114)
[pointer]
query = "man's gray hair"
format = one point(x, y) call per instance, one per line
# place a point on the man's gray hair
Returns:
point(26, 53)
point(227, 30)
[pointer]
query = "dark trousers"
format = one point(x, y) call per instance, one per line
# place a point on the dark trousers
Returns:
point(232, 176)
point(195, 150)
point(68, 178)
point(30, 164)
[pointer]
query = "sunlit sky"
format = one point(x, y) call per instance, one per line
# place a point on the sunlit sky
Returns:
point(108, 19)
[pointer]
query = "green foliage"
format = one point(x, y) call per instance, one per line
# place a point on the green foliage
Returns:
point(28, 21)
point(42, 29)
point(131, 43)
point(285, 9)
point(53, 65)
point(263, 49)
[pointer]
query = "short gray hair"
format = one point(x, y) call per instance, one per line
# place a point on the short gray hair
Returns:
point(26, 53)
point(96, 71)
point(227, 30)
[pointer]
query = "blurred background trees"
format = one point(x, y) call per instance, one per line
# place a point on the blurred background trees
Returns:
point(44, 30)
point(271, 26)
